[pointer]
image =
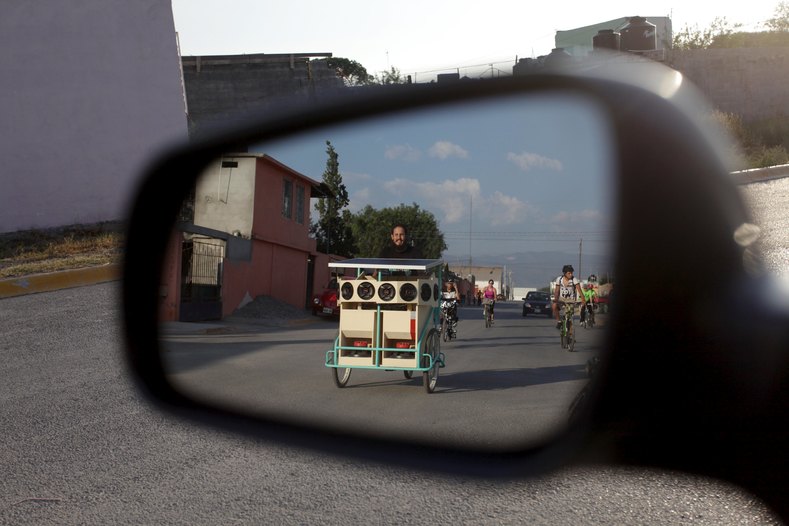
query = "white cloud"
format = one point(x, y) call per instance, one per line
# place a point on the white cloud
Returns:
point(451, 198)
point(445, 149)
point(504, 210)
point(402, 152)
point(526, 161)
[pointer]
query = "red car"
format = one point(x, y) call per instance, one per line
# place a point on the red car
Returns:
point(325, 303)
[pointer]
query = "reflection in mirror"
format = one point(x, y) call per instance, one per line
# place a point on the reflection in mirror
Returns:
point(261, 310)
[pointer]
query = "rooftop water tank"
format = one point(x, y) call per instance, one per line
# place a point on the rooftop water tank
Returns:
point(558, 58)
point(638, 35)
point(606, 39)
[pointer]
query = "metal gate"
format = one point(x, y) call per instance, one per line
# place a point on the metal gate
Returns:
point(201, 280)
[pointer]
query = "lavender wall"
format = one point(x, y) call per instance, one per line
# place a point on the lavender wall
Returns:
point(89, 90)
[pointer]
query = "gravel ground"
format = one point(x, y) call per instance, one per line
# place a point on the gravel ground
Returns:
point(265, 310)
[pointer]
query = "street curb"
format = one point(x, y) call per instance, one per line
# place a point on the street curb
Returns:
point(758, 175)
point(65, 279)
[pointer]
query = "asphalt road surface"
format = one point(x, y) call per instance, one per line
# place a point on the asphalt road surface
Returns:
point(502, 385)
point(80, 446)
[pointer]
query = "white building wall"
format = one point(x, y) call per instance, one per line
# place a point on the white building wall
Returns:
point(225, 196)
point(89, 91)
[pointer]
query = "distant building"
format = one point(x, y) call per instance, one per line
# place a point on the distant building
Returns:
point(579, 42)
point(477, 276)
point(574, 45)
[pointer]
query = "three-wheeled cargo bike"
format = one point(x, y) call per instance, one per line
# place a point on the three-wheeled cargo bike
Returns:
point(389, 314)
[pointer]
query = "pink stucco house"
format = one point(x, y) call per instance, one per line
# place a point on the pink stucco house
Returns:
point(249, 237)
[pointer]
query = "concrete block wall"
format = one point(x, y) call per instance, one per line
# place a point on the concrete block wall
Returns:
point(224, 90)
point(750, 82)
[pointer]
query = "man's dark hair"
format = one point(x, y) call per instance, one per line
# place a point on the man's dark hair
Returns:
point(399, 225)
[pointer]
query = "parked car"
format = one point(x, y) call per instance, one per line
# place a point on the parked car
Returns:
point(325, 303)
point(537, 302)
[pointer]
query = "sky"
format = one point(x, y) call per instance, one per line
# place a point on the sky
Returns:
point(545, 191)
point(517, 175)
point(427, 37)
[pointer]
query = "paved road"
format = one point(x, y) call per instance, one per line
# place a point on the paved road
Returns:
point(507, 383)
point(769, 202)
point(79, 446)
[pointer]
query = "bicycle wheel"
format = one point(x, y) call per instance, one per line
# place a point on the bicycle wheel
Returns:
point(588, 319)
point(433, 349)
point(341, 375)
point(564, 333)
point(445, 329)
point(487, 316)
point(570, 336)
point(408, 374)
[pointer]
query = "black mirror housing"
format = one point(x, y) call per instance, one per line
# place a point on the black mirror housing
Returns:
point(686, 383)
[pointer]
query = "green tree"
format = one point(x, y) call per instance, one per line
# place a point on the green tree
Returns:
point(372, 228)
point(393, 76)
point(331, 231)
point(351, 72)
point(694, 38)
point(780, 19)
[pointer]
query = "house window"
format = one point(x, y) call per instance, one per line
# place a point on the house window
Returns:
point(287, 198)
point(300, 204)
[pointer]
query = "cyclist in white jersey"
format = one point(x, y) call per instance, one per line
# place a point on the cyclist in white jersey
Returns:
point(567, 291)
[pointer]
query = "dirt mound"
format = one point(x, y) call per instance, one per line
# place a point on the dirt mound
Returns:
point(272, 309)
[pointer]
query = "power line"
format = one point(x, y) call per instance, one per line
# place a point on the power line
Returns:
point(457, 69)
point(530, 232)
point(543, 236)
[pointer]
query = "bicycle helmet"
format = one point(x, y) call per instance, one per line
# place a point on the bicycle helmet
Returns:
point(592, 278)
point(567, 268)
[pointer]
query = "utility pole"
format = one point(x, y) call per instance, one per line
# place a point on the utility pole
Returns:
point(580, 257)
point(470, 208)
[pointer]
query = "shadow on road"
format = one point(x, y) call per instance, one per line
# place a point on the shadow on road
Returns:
point(489, 380)
point(186, 354)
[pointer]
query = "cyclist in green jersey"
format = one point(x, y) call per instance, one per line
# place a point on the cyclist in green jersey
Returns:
point(589, 296)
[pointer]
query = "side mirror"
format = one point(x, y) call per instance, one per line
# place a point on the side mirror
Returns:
point(627, 135)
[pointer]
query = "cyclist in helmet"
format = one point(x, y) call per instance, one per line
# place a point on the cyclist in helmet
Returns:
point(567, 291)
point(590, 295)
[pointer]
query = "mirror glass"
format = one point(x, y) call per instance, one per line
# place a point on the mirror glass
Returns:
point(253, 310)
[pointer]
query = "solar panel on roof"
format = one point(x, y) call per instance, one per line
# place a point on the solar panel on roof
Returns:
point(388, 263)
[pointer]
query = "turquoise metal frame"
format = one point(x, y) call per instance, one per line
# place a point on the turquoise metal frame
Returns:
point(377, 350)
